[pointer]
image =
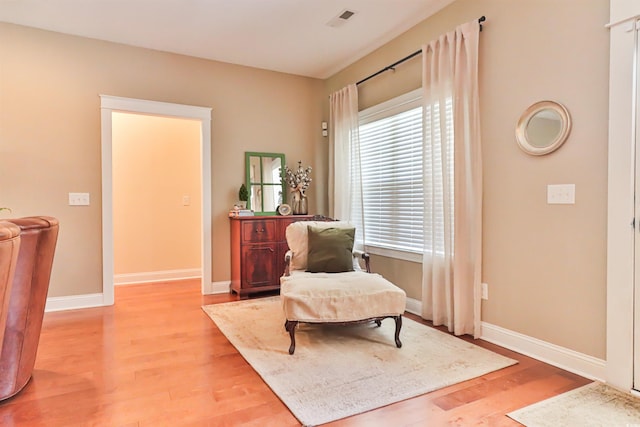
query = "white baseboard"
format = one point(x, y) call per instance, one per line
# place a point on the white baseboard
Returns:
point(564, 358)
point(217, 288)
point(414, 306)
point(74, 302)
point(561, 357)
point(156, 276)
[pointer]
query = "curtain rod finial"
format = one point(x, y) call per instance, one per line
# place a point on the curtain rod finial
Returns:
point(481, 20)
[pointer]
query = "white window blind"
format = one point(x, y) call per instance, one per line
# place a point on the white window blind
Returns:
point(391, 168)
point(391, 152)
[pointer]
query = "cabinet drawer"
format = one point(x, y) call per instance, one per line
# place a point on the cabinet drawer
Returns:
point(259, 231)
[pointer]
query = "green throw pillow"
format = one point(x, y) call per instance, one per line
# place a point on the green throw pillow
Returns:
point(330, 249)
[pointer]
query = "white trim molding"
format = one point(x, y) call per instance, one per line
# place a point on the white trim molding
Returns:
point(414, 306)
point(561, 357)
point(217, 288)
point(154, 107)
point(622, 205)
point(156, 276)
point(109, 104)
point(74, 302)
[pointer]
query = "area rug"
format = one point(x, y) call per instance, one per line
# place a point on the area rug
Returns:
point(594, 404)
point(339, 371)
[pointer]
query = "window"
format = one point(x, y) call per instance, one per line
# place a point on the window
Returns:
point(391, 155)
point(434, 170)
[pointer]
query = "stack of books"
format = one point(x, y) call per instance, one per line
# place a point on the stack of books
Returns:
point(233, 213)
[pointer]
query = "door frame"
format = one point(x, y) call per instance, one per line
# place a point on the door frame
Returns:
point(109, 104)
point(622, 214)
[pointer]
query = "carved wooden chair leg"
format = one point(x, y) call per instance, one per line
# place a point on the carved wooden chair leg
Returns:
point(290, 326)
point(398, 327)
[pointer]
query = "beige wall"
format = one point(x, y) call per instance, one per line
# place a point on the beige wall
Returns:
point(545, 264)
point(50, 132)
point(156, 163)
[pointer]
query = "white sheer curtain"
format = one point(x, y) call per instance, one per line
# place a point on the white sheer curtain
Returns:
point(345, 199)
point(452, 181)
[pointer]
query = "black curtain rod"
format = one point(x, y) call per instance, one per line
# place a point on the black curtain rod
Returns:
point(406, 58)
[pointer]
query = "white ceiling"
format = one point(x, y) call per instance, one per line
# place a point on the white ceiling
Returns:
point(290, 36)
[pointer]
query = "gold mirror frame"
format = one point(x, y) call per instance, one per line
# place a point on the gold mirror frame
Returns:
point(553, 144)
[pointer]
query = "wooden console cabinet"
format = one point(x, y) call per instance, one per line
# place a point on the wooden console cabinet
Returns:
point(258, 245)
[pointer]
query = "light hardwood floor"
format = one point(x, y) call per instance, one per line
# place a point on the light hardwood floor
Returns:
point(155, 359)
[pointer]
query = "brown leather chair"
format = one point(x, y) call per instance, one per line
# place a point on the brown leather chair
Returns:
point(9, 246)
point(38, 237)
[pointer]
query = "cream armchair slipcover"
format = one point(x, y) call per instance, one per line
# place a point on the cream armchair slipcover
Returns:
point(353, 296)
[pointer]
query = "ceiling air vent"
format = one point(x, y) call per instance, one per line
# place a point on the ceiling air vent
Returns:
point(341, 18)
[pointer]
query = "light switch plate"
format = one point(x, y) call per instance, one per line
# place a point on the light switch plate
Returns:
point(79, 199)
point(561, 194)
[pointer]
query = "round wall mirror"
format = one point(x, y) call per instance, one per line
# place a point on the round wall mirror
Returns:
point(543, 128)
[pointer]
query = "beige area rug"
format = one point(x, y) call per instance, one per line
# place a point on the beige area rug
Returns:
point(594, 404)
point(339, 371)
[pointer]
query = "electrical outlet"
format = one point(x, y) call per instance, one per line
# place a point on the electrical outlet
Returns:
point(79, 199)
point(485, 291)
point(561, 194)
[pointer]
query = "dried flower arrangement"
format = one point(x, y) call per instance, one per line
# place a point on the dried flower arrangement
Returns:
point(298, 180)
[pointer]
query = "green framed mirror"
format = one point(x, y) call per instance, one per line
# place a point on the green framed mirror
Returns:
point(264, 182)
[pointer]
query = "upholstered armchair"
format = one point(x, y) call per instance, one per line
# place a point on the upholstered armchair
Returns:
point(9, 246)
point(324, 283)
point(25, 311)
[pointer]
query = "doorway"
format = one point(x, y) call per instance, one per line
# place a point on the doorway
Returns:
point(111, 105)
point(156, 198)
